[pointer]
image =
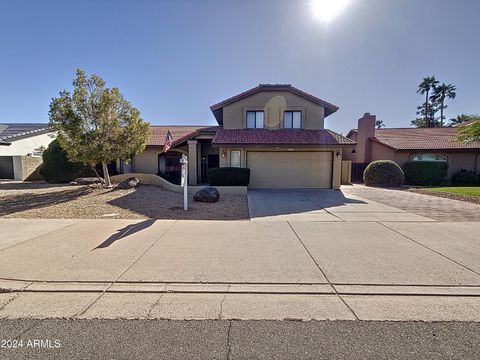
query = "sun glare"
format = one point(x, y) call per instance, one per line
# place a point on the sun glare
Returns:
point(326, 10)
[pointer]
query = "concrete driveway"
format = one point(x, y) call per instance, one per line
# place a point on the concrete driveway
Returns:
point(240, 270)
point(321, 205)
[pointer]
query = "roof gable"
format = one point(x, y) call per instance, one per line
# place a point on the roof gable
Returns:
point(217, 109)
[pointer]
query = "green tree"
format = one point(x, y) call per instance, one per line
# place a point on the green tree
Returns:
point(469, 131)
point(96, 124)
point(440, 93)
point(427, 85)
point(462, 118)
point(429, 120)
point(379, 124)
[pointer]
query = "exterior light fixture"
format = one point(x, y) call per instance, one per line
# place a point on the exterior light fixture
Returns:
point(224, 153)
point(338, 155)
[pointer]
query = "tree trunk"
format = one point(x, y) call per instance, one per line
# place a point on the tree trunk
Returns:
point(442, 105)
point(106, 176)
point(96, 173)
point(427, 120)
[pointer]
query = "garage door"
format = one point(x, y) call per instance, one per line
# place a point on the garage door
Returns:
point(290, 169)
point(6, 167)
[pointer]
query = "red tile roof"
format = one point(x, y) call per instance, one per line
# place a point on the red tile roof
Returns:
point(179, 133)
point(422, 139)
point(217, 109)
point(279, 137)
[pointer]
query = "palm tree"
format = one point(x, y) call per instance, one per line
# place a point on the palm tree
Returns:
point(379, 124)
point(442, 92)
point(424, 88)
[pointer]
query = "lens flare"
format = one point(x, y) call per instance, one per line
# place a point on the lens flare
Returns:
point(326, 10)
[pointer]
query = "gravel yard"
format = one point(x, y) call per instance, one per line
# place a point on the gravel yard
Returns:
point(49, 201)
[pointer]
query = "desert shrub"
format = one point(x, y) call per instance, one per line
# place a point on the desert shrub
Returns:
point(383, 173)
point(57, 167)
point(228, 176)
point(465, 178)
point(425, 172)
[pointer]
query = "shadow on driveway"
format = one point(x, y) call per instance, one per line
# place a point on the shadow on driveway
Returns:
point(126, 231)
point(274, 202)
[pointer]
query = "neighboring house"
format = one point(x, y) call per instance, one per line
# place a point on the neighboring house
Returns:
point(412, 144)
point(21, 147)
point(275, 130)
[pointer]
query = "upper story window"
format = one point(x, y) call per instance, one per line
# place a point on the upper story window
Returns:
point(292, 119)
point(254, 119)
point(429, 157)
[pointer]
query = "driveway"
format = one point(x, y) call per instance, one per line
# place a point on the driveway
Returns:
point(348, 270)
point(433, 207)
point(321, 205)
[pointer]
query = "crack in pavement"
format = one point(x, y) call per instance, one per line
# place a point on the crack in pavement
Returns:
point(154, 306)
point(228, 339)
point(323, 273)
point(428, 248)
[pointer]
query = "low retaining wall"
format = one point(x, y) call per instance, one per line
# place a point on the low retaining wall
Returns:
point(151, 179)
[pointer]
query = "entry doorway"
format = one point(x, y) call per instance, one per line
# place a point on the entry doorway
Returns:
point(209, 161)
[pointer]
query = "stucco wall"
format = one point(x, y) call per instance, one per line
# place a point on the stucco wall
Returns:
point(273, 103)
point(27, 168)
point(147, 161)
point(337, 161)
point(26, 146)
point(456, 160)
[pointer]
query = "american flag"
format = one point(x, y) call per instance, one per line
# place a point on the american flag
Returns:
point(168, 141)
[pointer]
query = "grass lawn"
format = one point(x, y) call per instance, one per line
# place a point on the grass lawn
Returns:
point(461, 190)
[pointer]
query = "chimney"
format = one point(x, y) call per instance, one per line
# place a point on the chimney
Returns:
point(366, 130)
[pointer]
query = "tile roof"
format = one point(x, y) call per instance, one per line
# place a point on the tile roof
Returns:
point(217, 109)
point(179, 132)
point(279, 137)
point(12, 131)
point(422, 139)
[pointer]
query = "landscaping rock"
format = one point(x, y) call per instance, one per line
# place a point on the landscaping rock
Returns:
point(209, 194)
point(130, 183)
point(87, 181)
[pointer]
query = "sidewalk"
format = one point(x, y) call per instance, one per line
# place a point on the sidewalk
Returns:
point(239, 270)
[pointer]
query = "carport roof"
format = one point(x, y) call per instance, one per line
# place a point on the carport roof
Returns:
point(321, 137)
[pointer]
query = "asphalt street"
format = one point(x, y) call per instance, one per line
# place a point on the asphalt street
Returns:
point(163, 339)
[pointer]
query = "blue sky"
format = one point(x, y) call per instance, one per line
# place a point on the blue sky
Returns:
point(173, 59)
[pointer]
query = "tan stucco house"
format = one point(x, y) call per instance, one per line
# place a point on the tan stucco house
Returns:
point(412, 144)
point(277, 131)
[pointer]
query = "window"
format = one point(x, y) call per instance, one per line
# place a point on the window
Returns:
point(429, 157)
point(254, 119)
point(292, 119)
point(235, 158)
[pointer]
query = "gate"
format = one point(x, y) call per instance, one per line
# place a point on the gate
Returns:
point(357, 172)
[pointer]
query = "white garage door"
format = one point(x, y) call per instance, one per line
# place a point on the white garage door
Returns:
point(290, 169)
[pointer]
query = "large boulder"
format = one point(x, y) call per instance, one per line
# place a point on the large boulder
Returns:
point(130, 183)
point(88, 181)
point(208, 194)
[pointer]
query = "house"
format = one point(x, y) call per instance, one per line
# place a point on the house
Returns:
point(412, 144)
point(21, 147)
point(275, 130)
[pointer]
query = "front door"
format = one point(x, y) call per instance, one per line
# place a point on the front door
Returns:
point(208, 162)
